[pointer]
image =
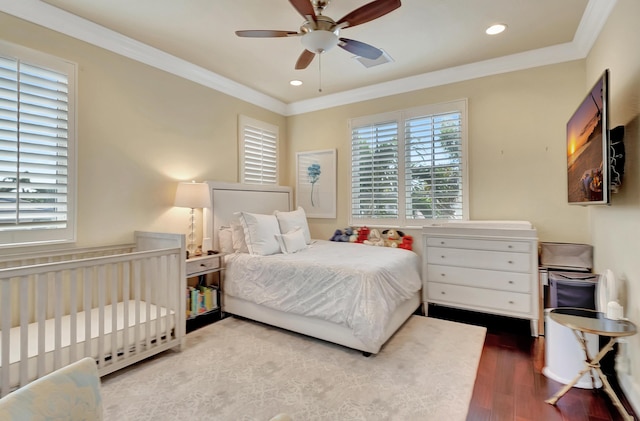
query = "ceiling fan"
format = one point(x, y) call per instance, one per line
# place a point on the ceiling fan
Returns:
point(321, 33)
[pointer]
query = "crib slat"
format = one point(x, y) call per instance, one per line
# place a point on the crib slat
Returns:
point(57, 357)
point(88, 287)
point(101, 318)
point(125, 299)
point(114, 312)
point(136, 329)
point(5, 312)
point(42, 292)
point(24, 325)
point(73, 315)
point(147, 298)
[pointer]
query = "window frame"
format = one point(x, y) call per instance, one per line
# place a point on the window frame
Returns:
point(400, 117)
point(243, 123)
point(67, 234)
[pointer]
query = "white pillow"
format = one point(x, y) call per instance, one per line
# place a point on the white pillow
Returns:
point(260, 233)
point(292, 242)
point(225, 240)
point(237, 238)
point(289, 221)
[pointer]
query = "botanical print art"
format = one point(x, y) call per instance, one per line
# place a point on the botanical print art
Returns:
point(316, 183)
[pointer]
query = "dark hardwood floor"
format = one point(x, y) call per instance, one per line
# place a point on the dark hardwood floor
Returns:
point(510, 384)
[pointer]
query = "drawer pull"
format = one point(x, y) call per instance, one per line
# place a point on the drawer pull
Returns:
point(443, 293)
point(510, 262)
point(510, 246)
point(442, 257)
point(203, 265)
point(511, 282)
point(442, 242)
point(442, 274)
point(510, 302)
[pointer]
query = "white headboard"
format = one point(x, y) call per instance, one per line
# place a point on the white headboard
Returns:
point(227, 198)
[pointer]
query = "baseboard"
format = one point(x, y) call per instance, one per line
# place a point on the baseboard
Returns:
point(631, 391)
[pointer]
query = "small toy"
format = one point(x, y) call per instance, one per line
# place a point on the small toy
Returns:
point(407, 243)
point(363, 235)
point(374, 239)
point(392, 238)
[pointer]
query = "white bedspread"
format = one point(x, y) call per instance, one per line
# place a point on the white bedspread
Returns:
point(354, 285)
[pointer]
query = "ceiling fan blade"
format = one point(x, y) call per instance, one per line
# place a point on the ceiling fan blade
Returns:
point(369, 11)
point(305, 8)
point(261, 33)
point(360, 48)
point(305, 59)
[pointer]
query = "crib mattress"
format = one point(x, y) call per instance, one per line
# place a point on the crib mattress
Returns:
point(157, 320)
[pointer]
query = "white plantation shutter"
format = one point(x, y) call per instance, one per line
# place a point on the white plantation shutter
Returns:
point(374, 169)
point(36, 147)
point(433, 166)
point(408, 167)
point(259, 152)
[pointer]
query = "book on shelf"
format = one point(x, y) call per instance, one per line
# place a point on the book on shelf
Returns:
point(201, 299)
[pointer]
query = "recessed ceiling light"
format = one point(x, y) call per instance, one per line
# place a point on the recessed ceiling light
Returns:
point(295, 83)
point(496, 29)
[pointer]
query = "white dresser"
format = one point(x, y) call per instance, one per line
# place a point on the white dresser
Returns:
point(485, 266)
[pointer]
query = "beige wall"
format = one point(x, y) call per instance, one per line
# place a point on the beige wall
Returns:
point(517, 125)
point(140, 130)
point(616, 229)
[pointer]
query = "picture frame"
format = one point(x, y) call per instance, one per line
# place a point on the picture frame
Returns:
point(316, 183)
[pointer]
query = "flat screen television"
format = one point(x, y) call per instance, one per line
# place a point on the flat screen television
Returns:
point(588, 148)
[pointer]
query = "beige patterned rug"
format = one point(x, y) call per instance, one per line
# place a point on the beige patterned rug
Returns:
point(241, 370)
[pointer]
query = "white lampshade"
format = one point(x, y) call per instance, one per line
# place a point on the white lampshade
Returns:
point(192, 195)
point(319, 41)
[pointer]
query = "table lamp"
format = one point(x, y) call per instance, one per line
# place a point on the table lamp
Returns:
point(192, 195)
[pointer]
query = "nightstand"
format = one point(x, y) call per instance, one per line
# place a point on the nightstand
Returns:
point(203, 298)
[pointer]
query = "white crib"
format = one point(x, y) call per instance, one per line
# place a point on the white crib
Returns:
point(116, 304)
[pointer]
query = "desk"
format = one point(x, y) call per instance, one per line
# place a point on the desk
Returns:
point(582, 321)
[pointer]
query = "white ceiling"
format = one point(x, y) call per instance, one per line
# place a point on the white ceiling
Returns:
point(430, 41)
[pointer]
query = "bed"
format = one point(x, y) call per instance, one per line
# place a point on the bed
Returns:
point(349, 294)
point(116, 304)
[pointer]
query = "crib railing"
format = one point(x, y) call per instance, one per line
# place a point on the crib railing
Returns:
point(117, 309)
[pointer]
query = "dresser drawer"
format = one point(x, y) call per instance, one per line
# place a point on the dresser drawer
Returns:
point(480, 278)
point(482, 259)
point(492, 245)
point(478, 298)
point(201, 264)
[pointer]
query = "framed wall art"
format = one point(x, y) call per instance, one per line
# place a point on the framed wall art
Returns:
point(316, 183)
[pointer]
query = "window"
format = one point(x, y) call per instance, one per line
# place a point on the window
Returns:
point(408, 167)
point(37, 147)
point(258, 152)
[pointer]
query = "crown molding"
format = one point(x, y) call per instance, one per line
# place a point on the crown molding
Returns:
point(43, 14)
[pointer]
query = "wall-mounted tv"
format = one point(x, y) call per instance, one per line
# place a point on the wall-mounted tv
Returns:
point(588, 147)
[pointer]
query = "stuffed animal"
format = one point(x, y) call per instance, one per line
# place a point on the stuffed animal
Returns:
point(363, 235)
point(407, 243)
point(374, 239)
point(336, 236)
point(353, 238)
point(392, 238)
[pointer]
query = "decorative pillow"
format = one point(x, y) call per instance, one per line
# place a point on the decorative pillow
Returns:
point(237, 238)
point(260, 233)
point(225, 240)
point(292, 242)
point(289, 221)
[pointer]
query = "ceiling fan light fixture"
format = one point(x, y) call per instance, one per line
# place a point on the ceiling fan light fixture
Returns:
point(319, 41)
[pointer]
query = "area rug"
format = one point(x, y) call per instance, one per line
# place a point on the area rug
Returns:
point(237, 369)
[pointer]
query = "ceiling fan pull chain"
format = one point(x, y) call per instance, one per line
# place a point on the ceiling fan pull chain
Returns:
point(319, 72)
